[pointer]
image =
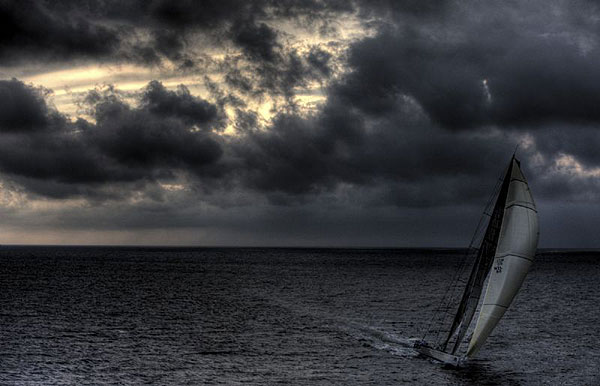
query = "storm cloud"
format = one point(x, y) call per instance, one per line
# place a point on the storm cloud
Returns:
point(143, 31)
point(418, 112)
point(168, 131)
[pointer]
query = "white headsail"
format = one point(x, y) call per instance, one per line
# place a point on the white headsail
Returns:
point(517, 243)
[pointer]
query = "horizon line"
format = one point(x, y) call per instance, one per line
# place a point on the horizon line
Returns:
point(173, 246)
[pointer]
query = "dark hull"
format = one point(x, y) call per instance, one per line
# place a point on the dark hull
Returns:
point(444, 357)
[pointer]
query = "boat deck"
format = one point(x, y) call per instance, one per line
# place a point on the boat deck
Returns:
point(444, 357)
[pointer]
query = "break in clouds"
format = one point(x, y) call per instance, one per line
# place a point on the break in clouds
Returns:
point(387, 123)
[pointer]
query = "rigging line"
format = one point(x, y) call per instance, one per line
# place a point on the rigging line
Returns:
point(444, 304)
point(476, 235)
point(492, 223)
point(449, 294)
point(482, 231)
point(452, 296)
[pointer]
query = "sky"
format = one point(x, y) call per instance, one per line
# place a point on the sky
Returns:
point(296, 123)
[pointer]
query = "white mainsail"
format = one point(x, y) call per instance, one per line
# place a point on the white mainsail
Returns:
point(517, 243)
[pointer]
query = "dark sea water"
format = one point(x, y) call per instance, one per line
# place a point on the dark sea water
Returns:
point(278, 316)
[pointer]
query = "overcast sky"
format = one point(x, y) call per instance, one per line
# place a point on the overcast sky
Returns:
point(326, 123)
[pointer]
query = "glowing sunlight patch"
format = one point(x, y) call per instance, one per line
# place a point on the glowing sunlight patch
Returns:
point(567, 164)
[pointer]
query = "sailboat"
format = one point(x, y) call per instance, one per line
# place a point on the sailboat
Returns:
point(504, 256)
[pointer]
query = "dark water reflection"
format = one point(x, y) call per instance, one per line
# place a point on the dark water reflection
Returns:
point(267, 316)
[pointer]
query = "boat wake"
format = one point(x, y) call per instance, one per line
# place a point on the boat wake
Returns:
point(378, 339)
point(365, 334)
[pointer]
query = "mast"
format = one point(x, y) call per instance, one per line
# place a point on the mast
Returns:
point(481, 267)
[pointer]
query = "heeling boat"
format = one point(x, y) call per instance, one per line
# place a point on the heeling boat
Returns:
point(503, 258)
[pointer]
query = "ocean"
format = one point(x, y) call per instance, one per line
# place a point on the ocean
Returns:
point(265, 316)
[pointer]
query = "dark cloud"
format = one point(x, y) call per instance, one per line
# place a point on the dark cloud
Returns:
point(22, 107)
point(145, 32)
point(480, 70)
point(582, 141)
point(258, 41)
point(181, 104)
point(172, 45)
point(452, 69)
point(385, 122)
point(423, 112)
point(281, 75)
point(392, 10)
point(50, 155)
point(151, 138)
point(212, 14)
point(30, 31)
point(319, 60)
point(404, 160)
point(273, 68)
point(173, 132)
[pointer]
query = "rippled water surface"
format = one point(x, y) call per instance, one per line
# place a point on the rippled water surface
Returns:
point(267, 316)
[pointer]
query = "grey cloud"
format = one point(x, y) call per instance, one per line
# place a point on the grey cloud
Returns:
point(280, 75)
point(402, 157)
point(258, 41)
point(56, 157)
point(535, 74)
point(143, 139)
point(110, 30)
point(181, 104)
point(392, 120)
point(22, 107)
point(410, 123)
point(319, 60)
point(31, 31)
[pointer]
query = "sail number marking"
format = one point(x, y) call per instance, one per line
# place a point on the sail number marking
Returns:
point(498, 267)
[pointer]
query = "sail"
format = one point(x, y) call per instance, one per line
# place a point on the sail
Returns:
point(481, 267)
point(514, 255)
